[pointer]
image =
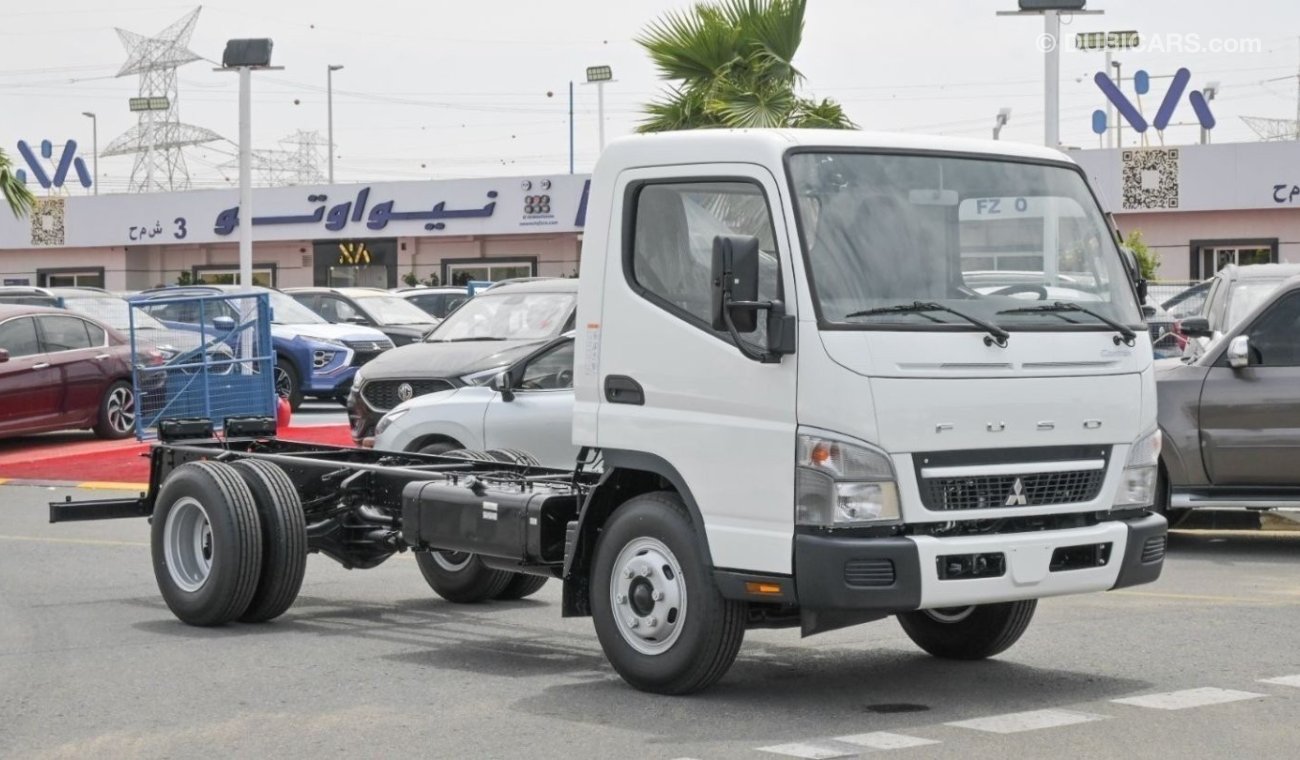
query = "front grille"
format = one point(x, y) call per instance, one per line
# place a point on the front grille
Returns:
point(1153, 550)
point(383, 394)
point(869, 572)
point(365, 350)
point(993, 491)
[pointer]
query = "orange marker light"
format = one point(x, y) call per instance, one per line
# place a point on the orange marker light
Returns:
point(758, 587)
point(821, 454)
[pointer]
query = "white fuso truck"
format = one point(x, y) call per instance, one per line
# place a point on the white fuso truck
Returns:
point(822, 378)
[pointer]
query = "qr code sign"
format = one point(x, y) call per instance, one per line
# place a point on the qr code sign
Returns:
point(47, 221)
point(1150, 178)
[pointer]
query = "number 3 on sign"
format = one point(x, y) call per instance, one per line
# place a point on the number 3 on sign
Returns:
point(180, 232)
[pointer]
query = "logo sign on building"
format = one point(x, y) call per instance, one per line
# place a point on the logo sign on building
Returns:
point(153, 103)
point(1142, 85)
point(67, 160)
point(1107, 40)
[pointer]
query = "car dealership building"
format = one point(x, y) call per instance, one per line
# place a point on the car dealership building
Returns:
point(339, 235)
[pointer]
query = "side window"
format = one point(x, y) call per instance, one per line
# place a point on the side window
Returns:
point(97, 335)
point(18, 337)
point(341, 310)
point(63, 334)
point(1275, 336)
point(552, 370)
point(672, 241)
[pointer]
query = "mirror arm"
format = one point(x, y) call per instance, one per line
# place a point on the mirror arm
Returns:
point(778, 324)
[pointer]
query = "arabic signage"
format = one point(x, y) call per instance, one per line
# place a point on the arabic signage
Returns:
point(500, 206)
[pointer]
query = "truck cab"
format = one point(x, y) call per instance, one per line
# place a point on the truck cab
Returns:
point(867, 375)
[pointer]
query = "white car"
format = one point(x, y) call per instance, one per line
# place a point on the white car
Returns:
point(527, 406)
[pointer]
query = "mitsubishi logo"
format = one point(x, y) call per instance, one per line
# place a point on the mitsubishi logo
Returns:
point(1017, 496)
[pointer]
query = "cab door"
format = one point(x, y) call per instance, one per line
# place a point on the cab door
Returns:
point(29, 389)
point(1250, 417)
point(673, 389)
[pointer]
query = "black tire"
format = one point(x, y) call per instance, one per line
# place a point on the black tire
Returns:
point(117, 410)
point(521, 585)
point(971, 633)
point(287, 382)
point(461, 577)
point(284, 539)
point(701, 632)
point(1173, 516)
point(231, 543)
point(439, 447)
point(471, 454)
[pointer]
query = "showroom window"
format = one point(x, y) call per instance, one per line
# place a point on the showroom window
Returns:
point(70, 278)
point(263, 276)
point(487, 270)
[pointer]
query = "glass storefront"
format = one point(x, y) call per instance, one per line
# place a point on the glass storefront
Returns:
point(355, 263)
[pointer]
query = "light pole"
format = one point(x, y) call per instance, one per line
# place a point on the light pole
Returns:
point(329, 107)
point(1209, 91)
point(599, 75)
point(94, 148)
point(1049, 44)
point(243, 56)
point(1004, 116)
point(1119, 120)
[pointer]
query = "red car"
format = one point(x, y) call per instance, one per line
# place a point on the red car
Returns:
point(60, 370)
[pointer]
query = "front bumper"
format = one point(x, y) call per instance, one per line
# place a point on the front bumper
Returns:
point(903, 573)
point(333, 383)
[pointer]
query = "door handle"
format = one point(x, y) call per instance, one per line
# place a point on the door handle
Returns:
point(102, 357)
point(42, 365)
point(621, 389)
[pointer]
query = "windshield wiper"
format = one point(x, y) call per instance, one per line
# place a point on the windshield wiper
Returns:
point(464, 340)
point(1126, 334)
point(995, 334)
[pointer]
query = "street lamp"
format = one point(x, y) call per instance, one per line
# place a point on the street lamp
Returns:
point(599, 75)
point(243, 56)
point(329, 101)
point(94, 148)
point(1049, 45)
point(1004, 116)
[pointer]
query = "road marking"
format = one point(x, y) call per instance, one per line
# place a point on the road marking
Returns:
point(885, 740)
point(1182, 700)
point(84, 541)
point(808, 751)
point(1283, 681)
point(106, 485)
point(1032, 720)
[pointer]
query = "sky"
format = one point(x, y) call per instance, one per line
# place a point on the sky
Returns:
point(440, 89)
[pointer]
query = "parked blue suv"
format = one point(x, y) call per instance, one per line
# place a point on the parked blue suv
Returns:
point(313, 357)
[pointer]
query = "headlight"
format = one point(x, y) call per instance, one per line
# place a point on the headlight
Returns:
point(840, 484)
point(482, 377)
point(389, 419)
point(1137, 485)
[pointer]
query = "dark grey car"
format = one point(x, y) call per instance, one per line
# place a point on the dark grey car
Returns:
point(1231, 418)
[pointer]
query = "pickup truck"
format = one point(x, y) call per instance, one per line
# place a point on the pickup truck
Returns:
point(1231, 417)
point(804, 415)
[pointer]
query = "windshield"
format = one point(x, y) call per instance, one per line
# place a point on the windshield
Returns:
point(286, 311)
point(114, 312)
point(507, 316)
point(392, 310)
point(981, 236)
point(1246, 295)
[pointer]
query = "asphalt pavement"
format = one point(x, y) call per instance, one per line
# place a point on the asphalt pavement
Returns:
point(1202, 664)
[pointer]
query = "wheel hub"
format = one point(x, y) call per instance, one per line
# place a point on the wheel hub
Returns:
point(648, 596)
point(188, 544)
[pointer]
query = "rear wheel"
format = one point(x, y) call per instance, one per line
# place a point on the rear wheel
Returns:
point(284, 539)
point(461, 577)
point(206, 543)
point(116, 412)
point(660, 619)
point(287, 383)
point(974, 632)
point(521, 585)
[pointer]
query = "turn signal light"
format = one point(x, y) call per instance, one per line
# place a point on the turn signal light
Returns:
point(758, 587)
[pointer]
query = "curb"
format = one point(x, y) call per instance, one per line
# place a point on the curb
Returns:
point(99, 485)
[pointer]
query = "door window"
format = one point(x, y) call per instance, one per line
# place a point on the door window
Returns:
point(552, 370)
point(63, 334)
point(18, 337)
point(672, 244)
point(1275, 336)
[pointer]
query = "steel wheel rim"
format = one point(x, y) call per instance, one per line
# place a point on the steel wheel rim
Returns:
point(647, 593)
point(950, 614)
point(188, 544)
point(452, 562)
point(120, 410)
point(283, 388)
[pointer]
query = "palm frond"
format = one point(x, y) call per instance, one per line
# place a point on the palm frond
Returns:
point(689, 46)
point(17, 196)
point(809, 114)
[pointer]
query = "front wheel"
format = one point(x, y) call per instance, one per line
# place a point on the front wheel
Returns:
point(287, 383)
point(116, 412)
point(975, 632)
point(660, 619)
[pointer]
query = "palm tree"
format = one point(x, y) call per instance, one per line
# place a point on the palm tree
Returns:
point(734, 61)
point(16, 193)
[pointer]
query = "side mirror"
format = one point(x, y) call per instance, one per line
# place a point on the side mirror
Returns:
point(1134, 272)
point(224, 324)
point(1239, 352)
point(4, 355)
point(735, 280)
point(1148, 311)
point(357, 319)
point(504, 385)
point(1196, 327)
